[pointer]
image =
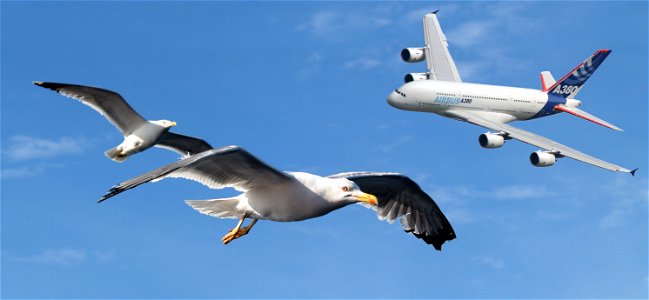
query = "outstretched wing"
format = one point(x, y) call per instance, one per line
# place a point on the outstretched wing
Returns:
point(230, 166)
point(532, 139)
point(185, 145)
point(108, 103)
point(438, 60)
point(400, 197)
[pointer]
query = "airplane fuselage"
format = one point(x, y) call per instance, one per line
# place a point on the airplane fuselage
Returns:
point(505, 103)
point(441, 91)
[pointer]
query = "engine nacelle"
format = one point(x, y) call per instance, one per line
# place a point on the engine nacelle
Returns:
point(415, 76)
point(413, 55)
point(542, 159)
point(491, 140)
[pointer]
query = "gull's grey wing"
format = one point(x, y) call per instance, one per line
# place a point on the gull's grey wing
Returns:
point(185, 145)
point(230, 166)
point(533, 139)
point(108, 103)
point(400, 197)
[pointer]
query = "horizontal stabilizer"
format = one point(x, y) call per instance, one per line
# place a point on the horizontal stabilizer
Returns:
point(584, 115)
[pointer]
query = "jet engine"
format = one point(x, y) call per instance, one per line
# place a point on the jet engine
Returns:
point(415, 76)
point(413, 55)
point(542, 158)
point(491, 140)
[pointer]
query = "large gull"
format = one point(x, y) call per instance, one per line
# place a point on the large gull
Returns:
point(139, 134)
point(269, 194)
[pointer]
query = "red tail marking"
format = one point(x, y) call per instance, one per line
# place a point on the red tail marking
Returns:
point(543, 85)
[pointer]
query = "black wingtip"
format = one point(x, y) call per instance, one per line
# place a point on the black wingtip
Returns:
point(633, 172)
point(50, 85)
point(112, 192)
point(437, 241)
point(103, 198)
point(435, 12)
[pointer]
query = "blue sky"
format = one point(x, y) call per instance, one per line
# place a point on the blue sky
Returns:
point(302, 85)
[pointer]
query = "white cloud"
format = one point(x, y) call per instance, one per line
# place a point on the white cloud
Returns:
point(21, 172)
point(68, 257)
point(104, 256)
point(458, 202)
point(415, 16)
point(315, 57)
point(628, 199)
point(520, 192)
point(553, 215)
point(311, 66)
point(493, 263)
point(473, 33)
point(316, 231)
point(459, 216)
point(482, 38)
point(457, 193)
point(389, 147)
point(23, 147)
point(64, 256)
point(332, 23)
point(362, 64)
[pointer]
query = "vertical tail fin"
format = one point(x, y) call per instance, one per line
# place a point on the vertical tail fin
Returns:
point(547, 80)
point(570, 84)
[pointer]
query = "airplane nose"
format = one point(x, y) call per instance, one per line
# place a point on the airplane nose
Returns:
point(393, 99)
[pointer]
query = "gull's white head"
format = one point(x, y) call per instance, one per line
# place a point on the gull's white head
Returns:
point(346, 190)
point(164, 123)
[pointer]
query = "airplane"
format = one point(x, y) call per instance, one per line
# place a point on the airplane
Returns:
point(441, 91)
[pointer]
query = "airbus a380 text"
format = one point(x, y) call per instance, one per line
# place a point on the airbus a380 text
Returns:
point(441, 91)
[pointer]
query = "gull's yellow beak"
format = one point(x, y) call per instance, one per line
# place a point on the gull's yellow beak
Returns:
point(172, 124)
point(367, 198)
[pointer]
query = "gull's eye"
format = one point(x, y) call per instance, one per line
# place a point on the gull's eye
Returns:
point(345, 189)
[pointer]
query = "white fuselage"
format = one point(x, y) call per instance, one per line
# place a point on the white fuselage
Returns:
point(503, 103)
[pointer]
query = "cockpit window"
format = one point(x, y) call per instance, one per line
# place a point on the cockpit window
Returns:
point(400, 92)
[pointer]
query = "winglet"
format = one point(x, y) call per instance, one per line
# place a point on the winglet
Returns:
point(633, 172)
point(435, 12)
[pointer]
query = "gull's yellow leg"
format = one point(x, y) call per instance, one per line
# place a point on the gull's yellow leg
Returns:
point(243, 231)
point(238, 231)
point(232, 234)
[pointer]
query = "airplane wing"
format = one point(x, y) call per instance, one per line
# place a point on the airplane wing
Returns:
point(438, 60)
point(533, 139)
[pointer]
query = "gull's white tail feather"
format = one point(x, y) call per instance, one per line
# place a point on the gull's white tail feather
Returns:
point(220, 208)
point(114, 155)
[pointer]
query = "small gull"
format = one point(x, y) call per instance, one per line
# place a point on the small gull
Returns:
point(139, 134)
